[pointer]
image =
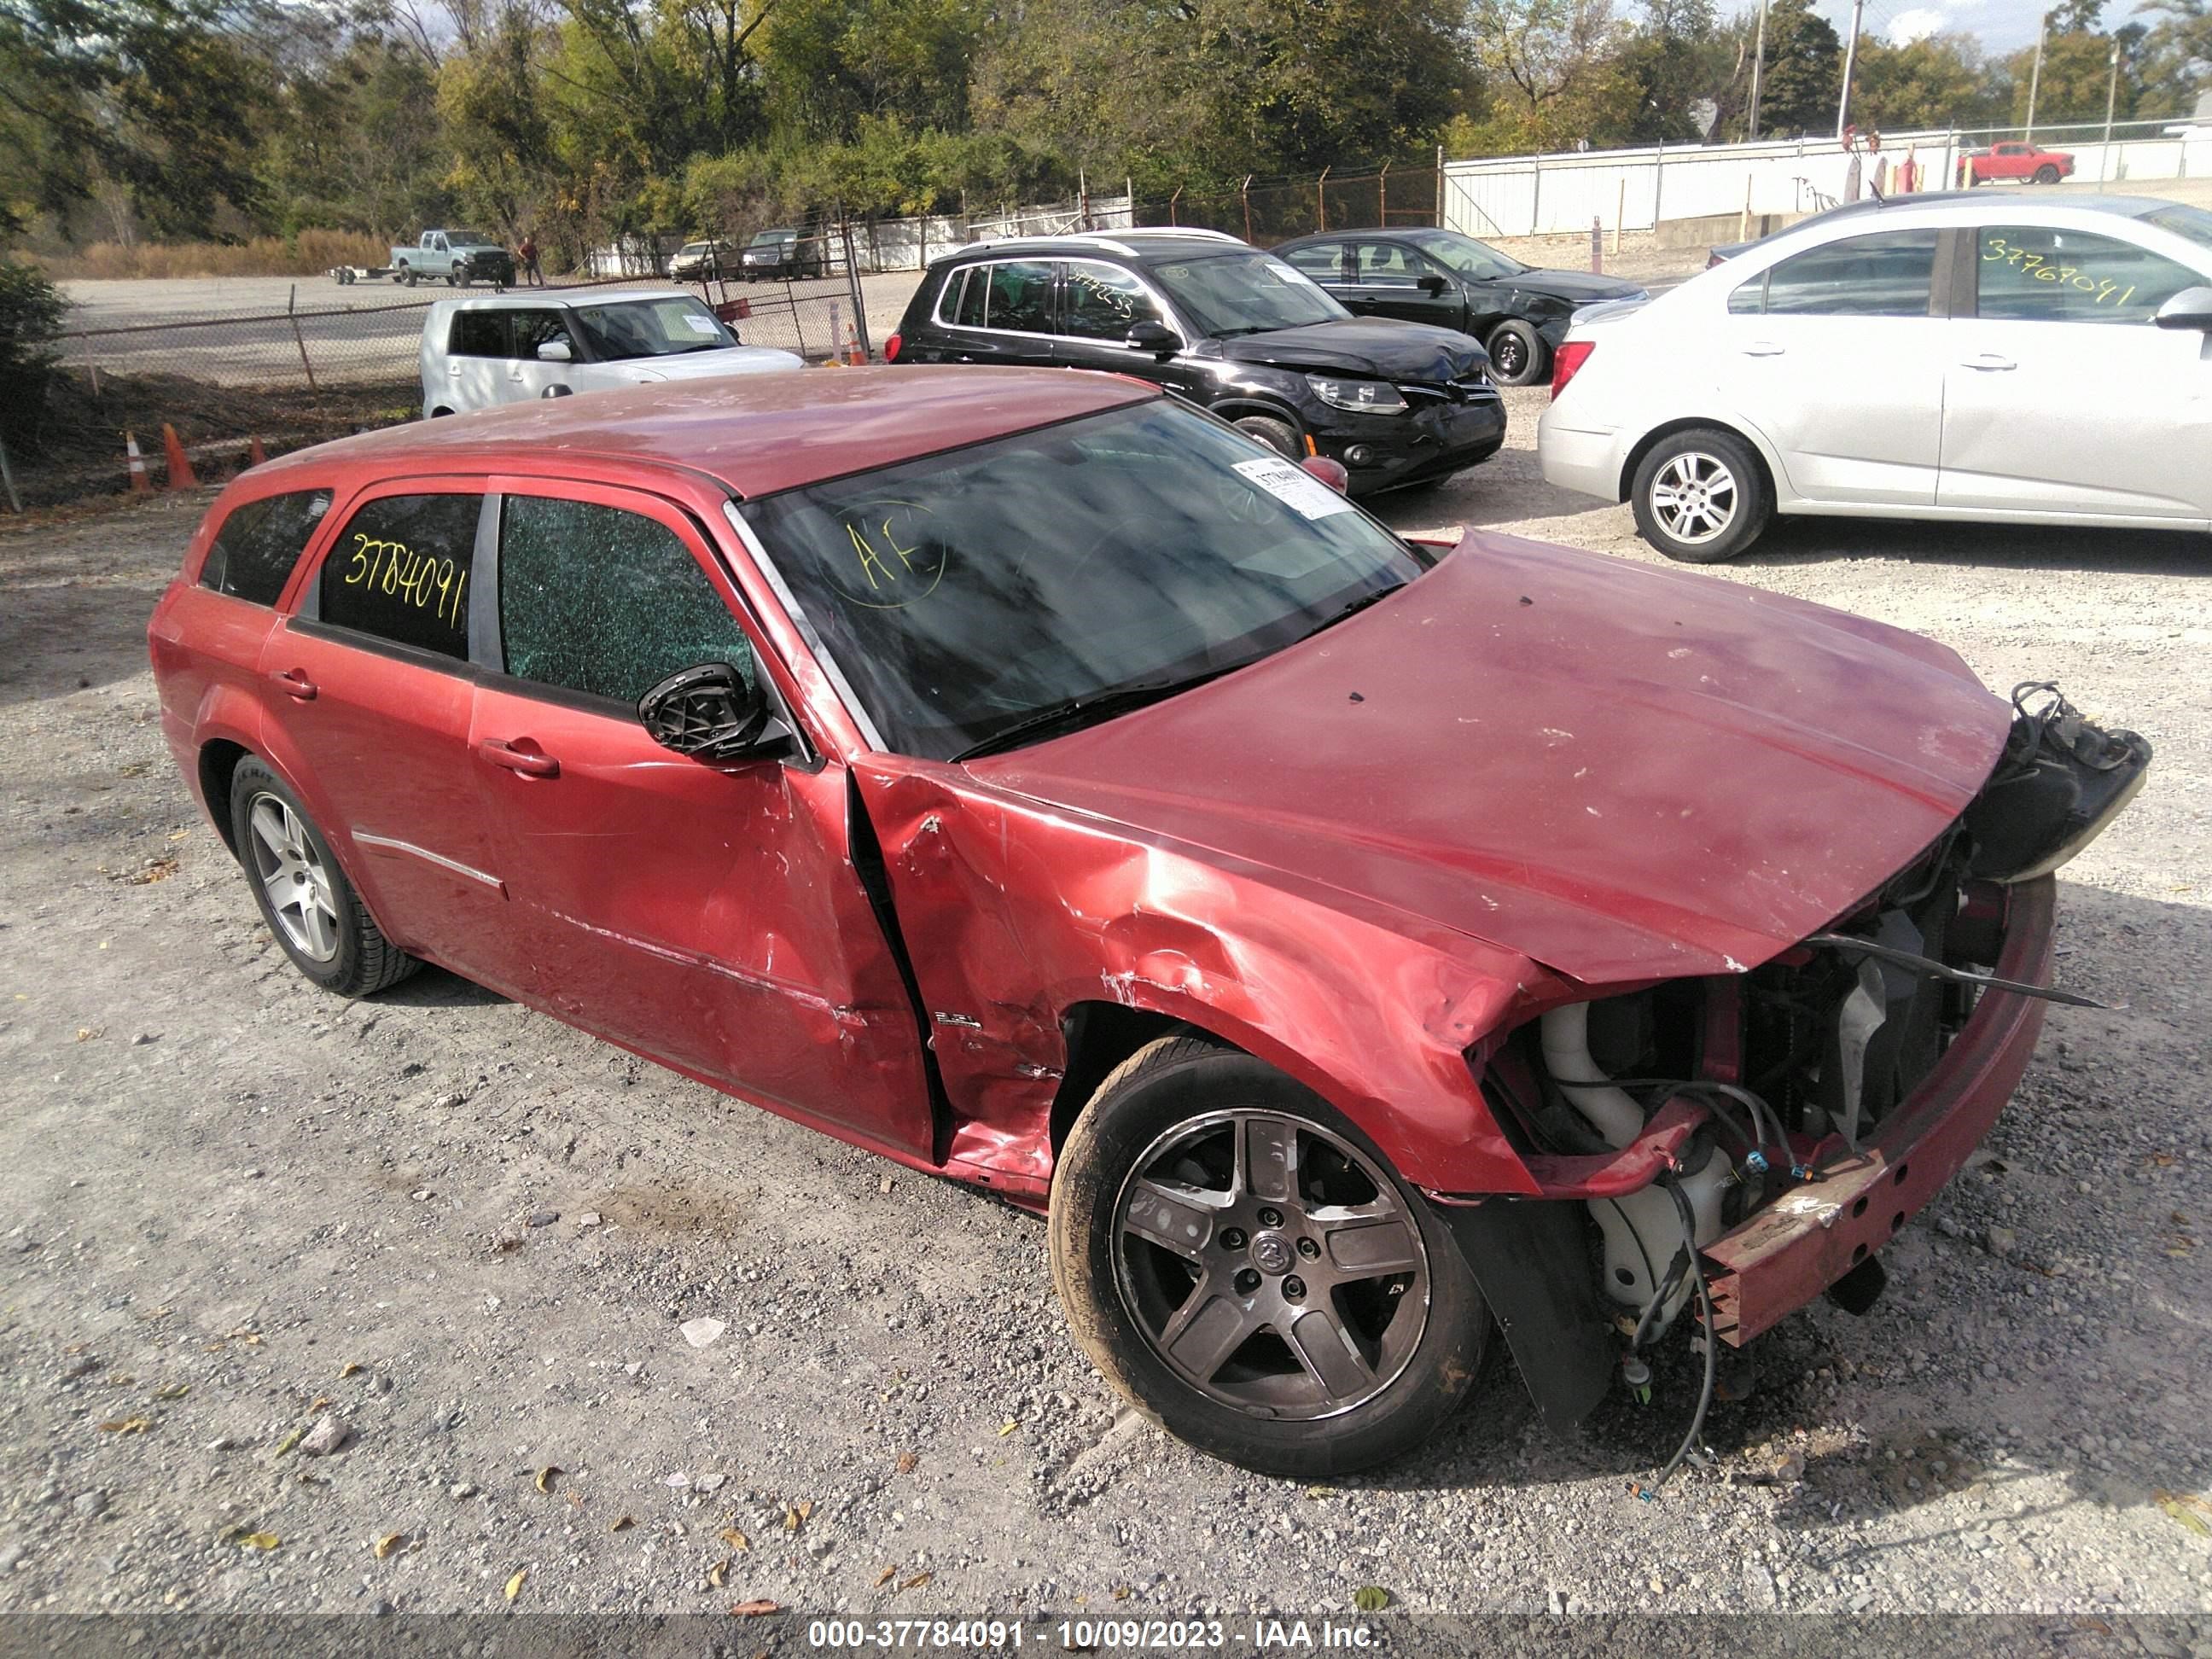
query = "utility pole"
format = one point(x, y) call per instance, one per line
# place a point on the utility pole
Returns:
point(2035, 74)
point(1851, 61)
point(1758, 65)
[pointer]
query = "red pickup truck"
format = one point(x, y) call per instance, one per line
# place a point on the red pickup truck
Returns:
point(2016, 161)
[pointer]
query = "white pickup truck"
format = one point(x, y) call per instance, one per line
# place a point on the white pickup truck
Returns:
point(461, 257)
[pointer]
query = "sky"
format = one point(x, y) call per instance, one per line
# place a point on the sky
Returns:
point(2002, 26)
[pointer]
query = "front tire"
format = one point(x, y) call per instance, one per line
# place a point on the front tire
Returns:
point(1244, 1266)
point(1518, 355)
point(305, 898)
point(2046, 175)
point(1701, 495)
point(1279, 435)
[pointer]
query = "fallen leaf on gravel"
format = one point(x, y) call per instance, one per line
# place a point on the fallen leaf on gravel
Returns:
point(714, 1573)
point(350, 1367)
point(259, 1540)
point(1007, 1428)
point(180, 835)
point(291, 1440)
point(120, 1379)
point(389, 1543)
point(546, 1476)
point(1121, 1593)
point(156, 870)
point(1371, 1598)
point(623, 1523)
point(908, 1462)
point(733, 1538)
point(250, 1337)
point(916, 1582)
point(887, 1575)
point(175, 1391)
point(514, 1585)
point(126, 1426)
point(754, 1609)
point(2179, 1505)
point(792, 1517)
point(318, 1402)
point(1321, 1491)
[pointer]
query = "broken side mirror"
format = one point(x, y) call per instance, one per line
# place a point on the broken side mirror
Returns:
point(712, 712)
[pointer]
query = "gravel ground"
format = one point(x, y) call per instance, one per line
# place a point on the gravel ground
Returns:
point(237, 1209)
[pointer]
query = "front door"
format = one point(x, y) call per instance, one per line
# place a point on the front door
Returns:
point(370, 685)
point(2060, 393)
point(476, 360)
point(1099, 304)
point(528, 375)
point(707, 915)
point(1835, 357)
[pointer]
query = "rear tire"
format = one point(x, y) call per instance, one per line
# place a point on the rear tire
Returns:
point(1327, 1311)
point(1518, 355)
point(311, 908)
point(1701, 495)
point(1279, 435)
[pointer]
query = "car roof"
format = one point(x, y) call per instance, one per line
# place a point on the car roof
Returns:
point(756, 434)
point(536, 299)
point(1144, 245)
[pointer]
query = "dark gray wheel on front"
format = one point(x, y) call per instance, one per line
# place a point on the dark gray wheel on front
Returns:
point(1279, 435)
point(1243, 1263)
point(1518, 355)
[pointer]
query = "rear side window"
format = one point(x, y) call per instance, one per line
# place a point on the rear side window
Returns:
point(1015, 295)
point(478, 334)
point(609, 603)
point(252, 554)
point(2038, 274)
point(1319, 263)
point(399, 571)
point(1883, 276)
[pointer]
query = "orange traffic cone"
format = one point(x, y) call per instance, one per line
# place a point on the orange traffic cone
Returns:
point(854, 354)
point(180, 466)
point(140, 483)
point(254, 453)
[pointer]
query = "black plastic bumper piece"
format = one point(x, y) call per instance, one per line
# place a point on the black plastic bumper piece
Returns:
point(1532, 1262)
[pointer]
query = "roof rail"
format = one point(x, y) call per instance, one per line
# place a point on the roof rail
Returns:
point(1176, 230)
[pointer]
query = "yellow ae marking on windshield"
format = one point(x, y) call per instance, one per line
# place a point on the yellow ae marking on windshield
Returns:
point(872, 561)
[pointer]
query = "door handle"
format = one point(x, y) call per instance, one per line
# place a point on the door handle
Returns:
point(295, 684)
point(1990, 361)
point(526, 762)
point(1764, 348)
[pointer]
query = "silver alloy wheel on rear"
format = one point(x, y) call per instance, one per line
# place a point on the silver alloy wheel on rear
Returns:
point(1270, 1265)
point(294, 877)
point(1694, 496)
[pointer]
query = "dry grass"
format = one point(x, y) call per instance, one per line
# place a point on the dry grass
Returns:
point(308, 254)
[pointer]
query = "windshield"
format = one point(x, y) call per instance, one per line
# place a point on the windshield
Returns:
point(2193, 223)
point(963, 593)
point(1244, 293)
point(650, 328)
point(773, 238)
point(468, 239)
point(1466, 256)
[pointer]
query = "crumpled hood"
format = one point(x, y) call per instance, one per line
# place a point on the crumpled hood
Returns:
point(1577, 287)
point(1379, 346)
point(1619, 771)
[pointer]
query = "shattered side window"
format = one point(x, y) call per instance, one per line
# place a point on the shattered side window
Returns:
point(609, 603)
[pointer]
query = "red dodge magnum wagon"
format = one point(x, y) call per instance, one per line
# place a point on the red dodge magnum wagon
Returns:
point(1359, 947)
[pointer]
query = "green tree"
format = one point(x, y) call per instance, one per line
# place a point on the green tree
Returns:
point(2177, 54)
point(1804, 72)
point(1938, 81)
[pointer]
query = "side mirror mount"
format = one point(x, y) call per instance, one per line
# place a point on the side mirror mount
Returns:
point(1154, 337)
point(554, 351)
point(1329, 470)
point(712, 712)
point(1432, 284)
point(2190, 308)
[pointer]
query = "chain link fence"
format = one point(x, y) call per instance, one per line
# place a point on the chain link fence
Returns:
point(1266, 211)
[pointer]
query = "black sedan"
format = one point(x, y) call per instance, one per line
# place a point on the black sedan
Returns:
point(1519, 312)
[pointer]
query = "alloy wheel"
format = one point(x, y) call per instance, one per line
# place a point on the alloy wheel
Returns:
point(294, 875)
point(1694, 496)
point(1270, 1265)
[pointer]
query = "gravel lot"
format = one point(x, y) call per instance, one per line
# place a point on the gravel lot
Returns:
point(235, 1204)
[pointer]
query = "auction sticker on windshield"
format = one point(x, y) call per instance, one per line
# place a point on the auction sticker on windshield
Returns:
point(1295, 488)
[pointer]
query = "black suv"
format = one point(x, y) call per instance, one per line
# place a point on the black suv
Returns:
point(1520, 312)
point(1230, 328)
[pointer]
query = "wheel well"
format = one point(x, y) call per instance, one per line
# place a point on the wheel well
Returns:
point(218, 762)
point(440, 410)
point(1649, 441)
point(1099, 1037)
point(1230, 409)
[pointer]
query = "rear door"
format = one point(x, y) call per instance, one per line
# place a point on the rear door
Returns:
point(1385, 278)
point(707, 915)
point(1836, 356)
point(528, 375)
point(369, 688)
point(2061, 395)
point(1000, 310)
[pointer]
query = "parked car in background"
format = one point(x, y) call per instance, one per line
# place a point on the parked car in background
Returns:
point(700, 262)
point(1031, 778)
point(2015, 163)
point(476, 353)
point(785, 255)
point(461, 257)
point(1991, 356)
point(1228, 328)
point(1518, 312)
